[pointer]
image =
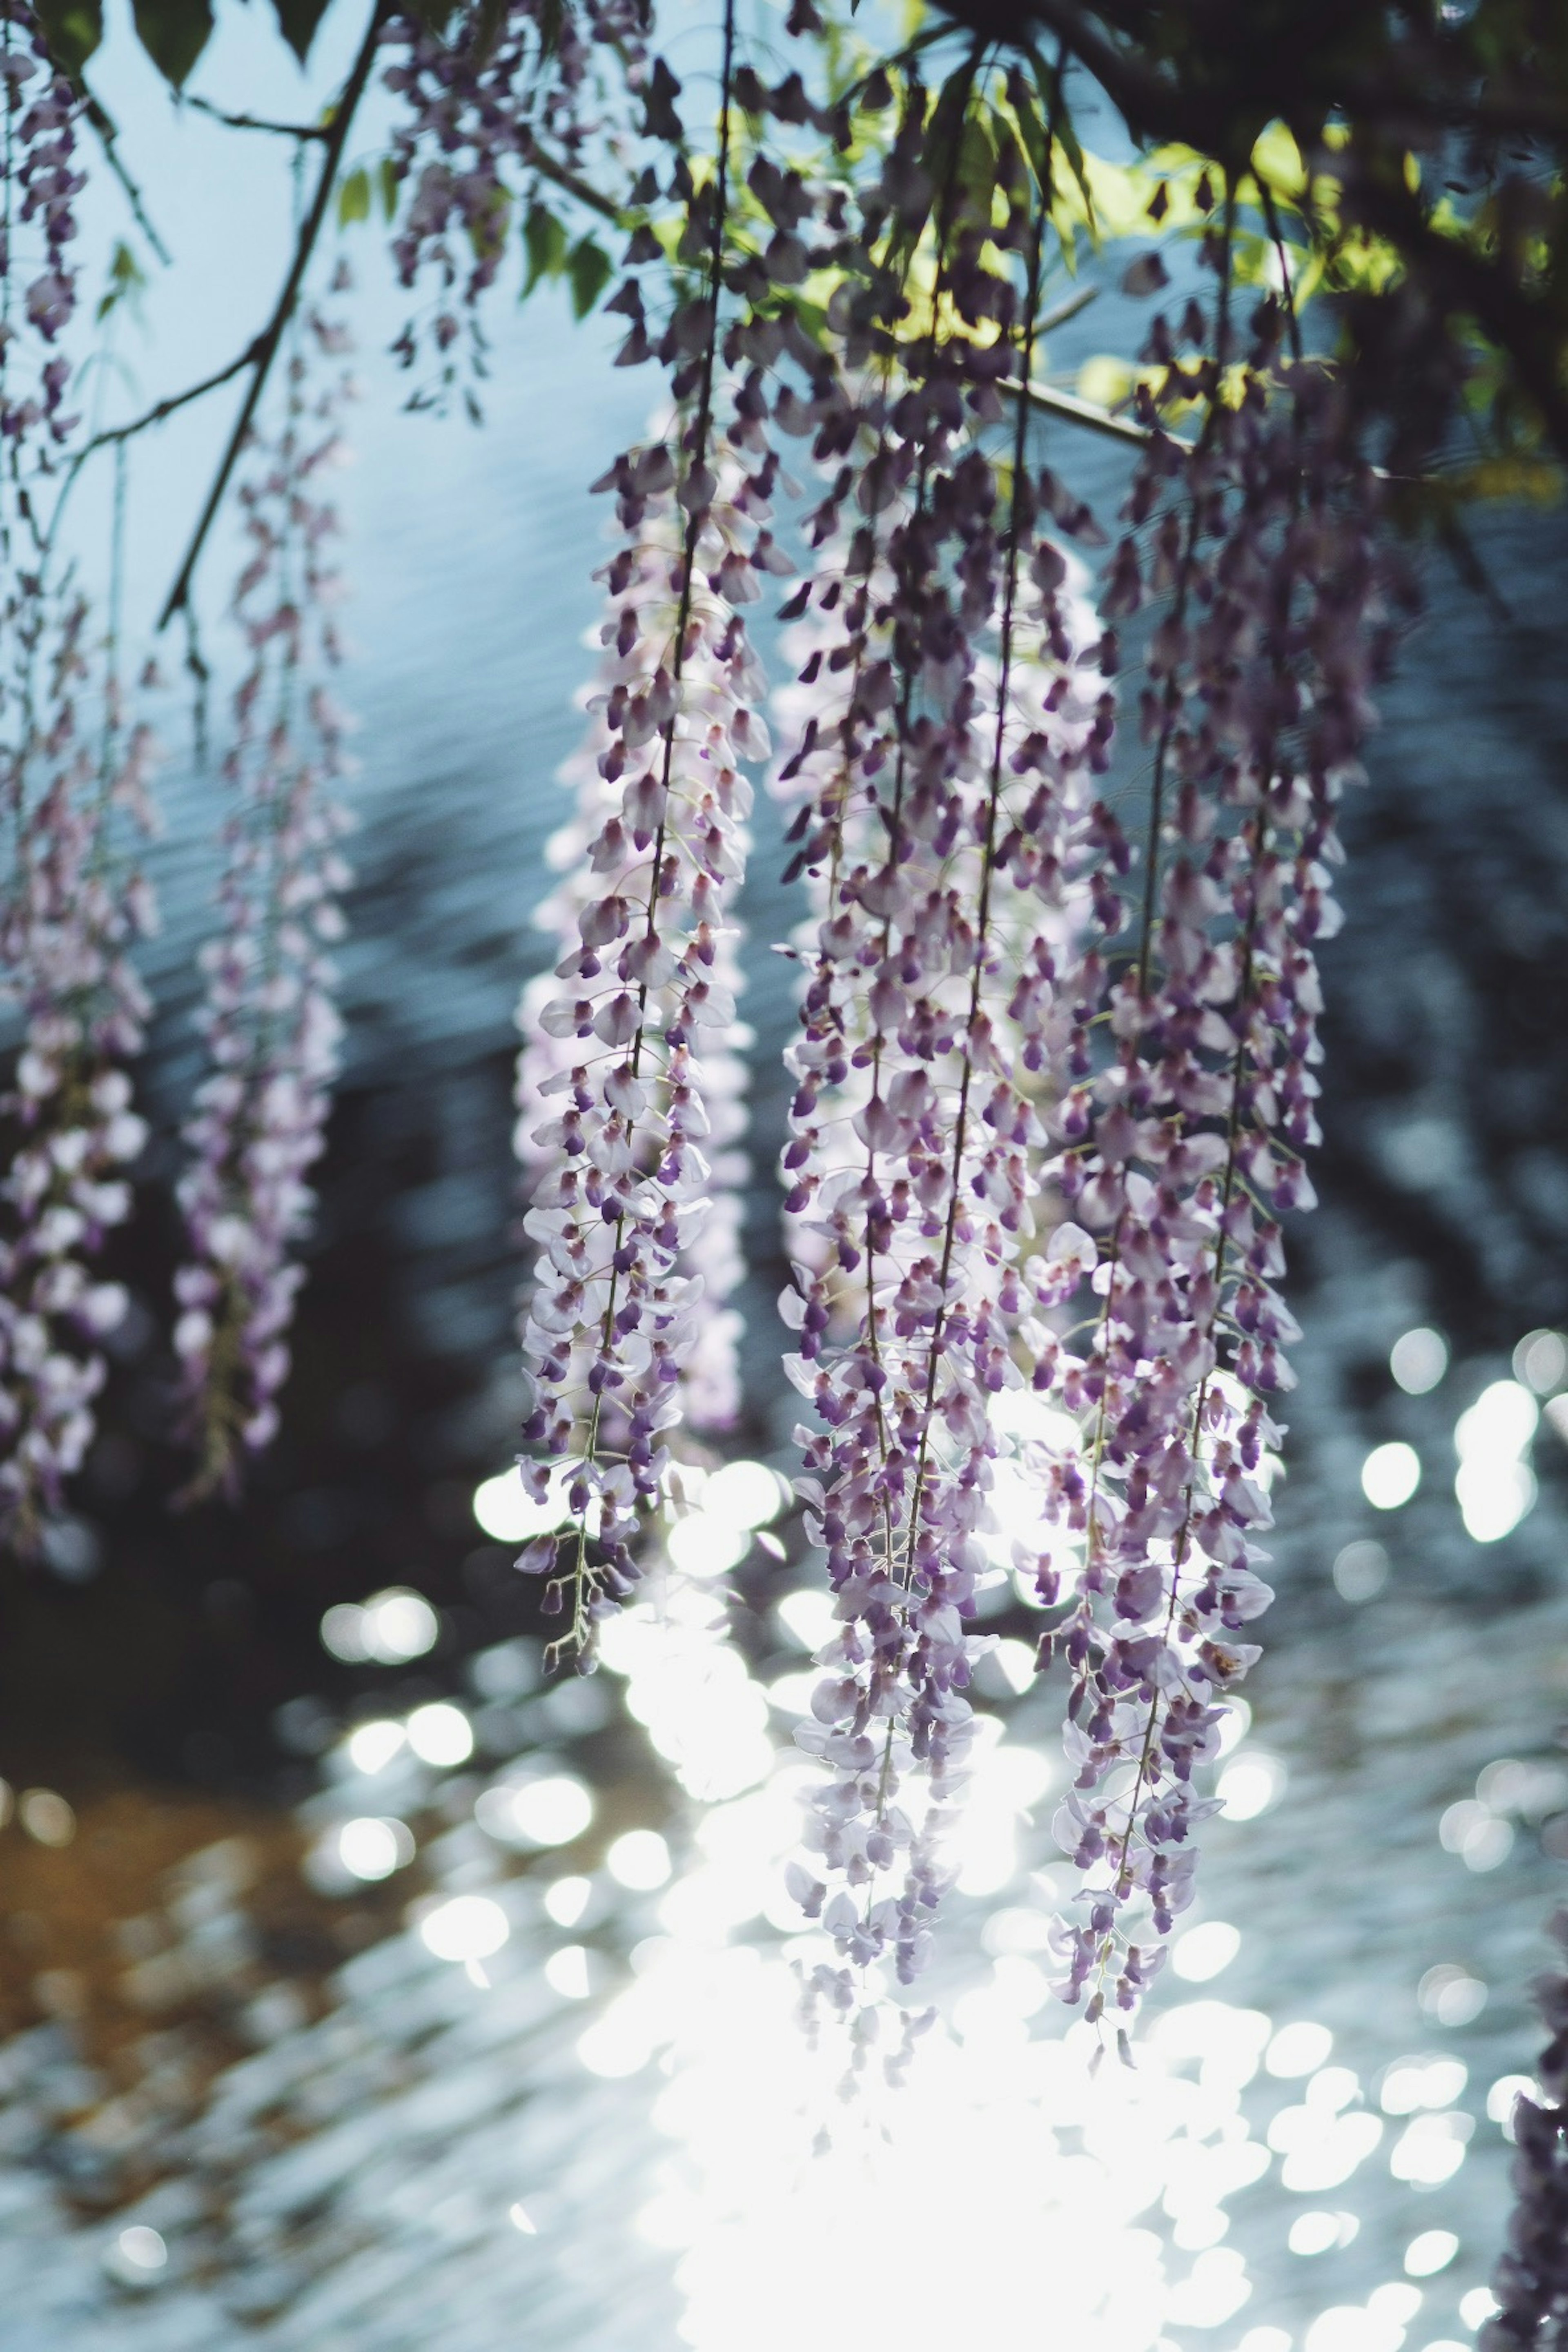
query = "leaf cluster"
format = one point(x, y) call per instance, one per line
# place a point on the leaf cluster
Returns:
point(1430, 190)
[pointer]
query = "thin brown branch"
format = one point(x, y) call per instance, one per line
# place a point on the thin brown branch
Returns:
point(255, 121)
point(104, 125)
point(1086, 413)
point(549, 169)
point(173, 401)
point(1068, 307)
point(267, 343)
point(113, 434)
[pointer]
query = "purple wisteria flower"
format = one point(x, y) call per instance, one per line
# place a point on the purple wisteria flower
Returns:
point(642, 1004)
point(1180, 1137)
point(487, 100)
point(40, 111)
point(73, 783)
point(70, 919)
point(270, 1021)
point(709, 1383)
point(952, 718)
point(1531, 2281)
point(616, 1311)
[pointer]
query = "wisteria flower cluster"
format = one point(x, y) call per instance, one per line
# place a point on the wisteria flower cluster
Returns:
point(1180, 1139)
point(615, 1312)
point(69, 922)
point(953, 717)
point(269, 1019)
point(1532, 2280)
point(616, 1316)
point(41, 113)
point(709, 1380)
point(73, 777)
point(1052, 1083)
point(483, 107)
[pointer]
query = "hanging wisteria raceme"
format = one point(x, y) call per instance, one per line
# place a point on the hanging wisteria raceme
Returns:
point(944, 771)
point(710, 1377)
point(1181, 1137)
point(616, 1311)
point(1055, 1071)
point(38, 274)
point(73, 903)
point(269, 1017)
point(1530, 2283)
point(74, 910)
point(490, 105)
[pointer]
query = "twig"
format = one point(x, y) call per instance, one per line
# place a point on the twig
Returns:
point(112, 435)
point(166, 407)
point(102, 122)
point(255, 121)
point(1153, 104)
point(1087, 413)
point(1069, 307)
point(265, 347)
point(1095, 419)
point(545, 165)
point(549, 169)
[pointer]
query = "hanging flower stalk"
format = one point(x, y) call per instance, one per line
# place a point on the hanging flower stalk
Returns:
point(1532, 2280)
point(615, 1312)
point(945, 787)
point(1182, 1150)
point(73, 905)
point(270, 1021)
point(488, 103)
point(709, 1379)
point(71, 920)
point(38, 271)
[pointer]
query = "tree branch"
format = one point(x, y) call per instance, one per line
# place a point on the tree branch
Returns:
point(113, 434)
point(255, 121)
point(1068, 307)
point(1408, 87)
point(549, 169)
point(265, 347)
point(1147, 104)
point(103, 123)
point(1085, 412)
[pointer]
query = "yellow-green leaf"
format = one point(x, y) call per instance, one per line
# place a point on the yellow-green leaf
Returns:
point(589, 268)
point(353, 197)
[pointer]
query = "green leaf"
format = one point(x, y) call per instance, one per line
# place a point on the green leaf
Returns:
point(297, 20)
point(976, 160)
point(126, 281)
point(939, 151)
point(590, 269)
point(486, 232)
point(73, 29)
point(173, 33)
point(544, 242)
point(353, 197)
point(386, 180)
point(1031, 120)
